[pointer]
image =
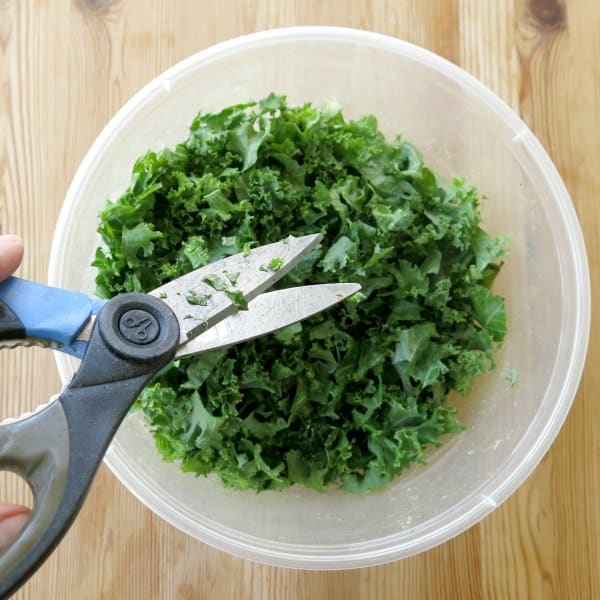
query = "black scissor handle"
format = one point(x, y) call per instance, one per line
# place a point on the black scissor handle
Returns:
point(58, 449)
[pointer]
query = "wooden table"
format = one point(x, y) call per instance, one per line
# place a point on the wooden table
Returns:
point(66, 66)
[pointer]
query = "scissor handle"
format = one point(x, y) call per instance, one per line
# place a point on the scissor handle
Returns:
point(34, 311)
point(58, 449)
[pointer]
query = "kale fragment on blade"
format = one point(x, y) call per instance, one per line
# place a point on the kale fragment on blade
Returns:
point(356, 394)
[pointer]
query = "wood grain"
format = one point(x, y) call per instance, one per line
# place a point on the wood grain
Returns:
point(66, 66)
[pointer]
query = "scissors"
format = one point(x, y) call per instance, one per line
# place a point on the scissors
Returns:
point(122, 344)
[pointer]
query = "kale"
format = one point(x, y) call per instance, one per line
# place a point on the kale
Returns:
point(354, 395)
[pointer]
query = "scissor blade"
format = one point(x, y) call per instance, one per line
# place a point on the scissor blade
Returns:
point(204, 297)
point(267, 313)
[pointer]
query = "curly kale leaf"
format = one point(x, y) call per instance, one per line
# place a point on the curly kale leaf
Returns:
point(357, 394)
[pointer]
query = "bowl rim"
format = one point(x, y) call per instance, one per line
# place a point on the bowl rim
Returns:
point(512, 473)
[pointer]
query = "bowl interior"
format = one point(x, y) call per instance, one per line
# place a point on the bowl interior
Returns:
point(462, 130)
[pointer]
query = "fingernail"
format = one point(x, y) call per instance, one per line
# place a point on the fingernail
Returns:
point(8, 510)
point(12, 520)
point(10, 240)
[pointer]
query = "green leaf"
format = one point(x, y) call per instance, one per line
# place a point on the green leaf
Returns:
point(490, 312)
point(196, 251)
point(193, 297)
point(392, 219)
point(413, 342)
point(358, 393)
point(203, 427)
point(138, 243)
point(432, 263)
point(275, 263)
point(486, 248)
point(289, 333)
point(237, 297)
point(216, 282)
point(247, 139)
point(221, 205)
point(339, 254)
point(199, 368)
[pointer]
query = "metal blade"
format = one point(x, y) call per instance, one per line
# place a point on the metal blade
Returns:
point(268, 313)
point(198, 305)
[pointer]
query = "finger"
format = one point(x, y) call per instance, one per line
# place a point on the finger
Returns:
point(13, 517)
point(11, 254)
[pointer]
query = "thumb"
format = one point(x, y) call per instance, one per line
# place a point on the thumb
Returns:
point(13, 518)
point(11, 254)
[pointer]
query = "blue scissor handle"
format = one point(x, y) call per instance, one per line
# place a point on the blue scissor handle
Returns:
point(45, 312)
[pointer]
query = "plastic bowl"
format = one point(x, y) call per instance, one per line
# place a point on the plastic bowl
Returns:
point(462, 129)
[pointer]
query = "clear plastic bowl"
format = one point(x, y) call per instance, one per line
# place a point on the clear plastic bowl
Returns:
point(462, 129)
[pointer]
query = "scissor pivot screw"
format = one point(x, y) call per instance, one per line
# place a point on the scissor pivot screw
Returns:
point(138, 326)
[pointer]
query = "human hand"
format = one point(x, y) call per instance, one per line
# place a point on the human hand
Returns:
point(11, 254)
point(13, 517)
